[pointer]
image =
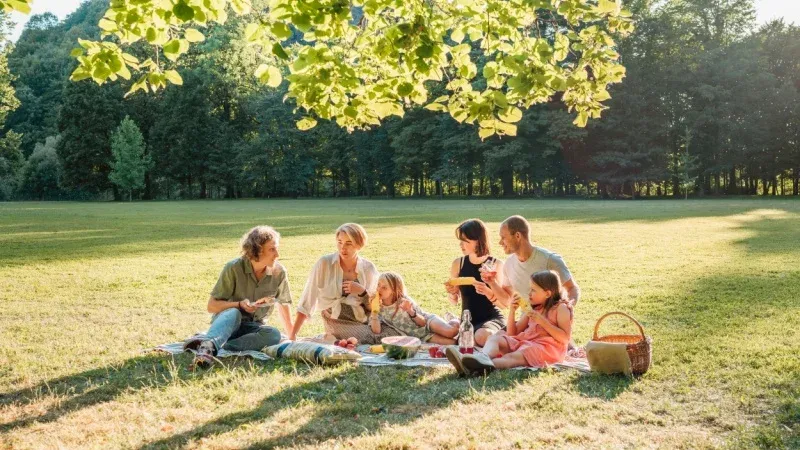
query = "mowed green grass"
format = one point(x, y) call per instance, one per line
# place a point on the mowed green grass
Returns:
point(85, 287)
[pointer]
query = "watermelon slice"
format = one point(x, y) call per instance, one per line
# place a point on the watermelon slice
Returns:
point(401, 347)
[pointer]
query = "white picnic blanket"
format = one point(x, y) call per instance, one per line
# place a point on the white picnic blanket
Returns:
point(421, 359)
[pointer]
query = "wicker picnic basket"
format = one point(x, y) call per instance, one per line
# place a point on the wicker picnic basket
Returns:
point(640, 346)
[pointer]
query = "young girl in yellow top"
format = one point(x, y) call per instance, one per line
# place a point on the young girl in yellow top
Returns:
point(537, 339)
point(402, 313)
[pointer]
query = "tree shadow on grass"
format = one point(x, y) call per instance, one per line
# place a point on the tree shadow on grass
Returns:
point(83, 390)
point(349, 403)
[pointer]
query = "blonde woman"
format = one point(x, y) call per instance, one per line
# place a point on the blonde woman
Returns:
point(243, 298)
point(339, 287)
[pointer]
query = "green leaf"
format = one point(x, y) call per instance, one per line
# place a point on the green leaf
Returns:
point(281, 31)
point(425, 51)
point(601, 95)
point(79, 74)
point(252, 32)
point(302, 22)
point(512, 114)
point(75, 52)
point(582, 118)
point(151, 35)
point(403, 89)
point(436, 107)
point(172, 49)
point(173, 77)
point(18, 5)
point(183, 11)
point(100, 73)
point(192, 35)
point(506, 129)
point(275, 77)
point(107, 25)
point(306, 124)
point(457, 35)
point(269, 75)
point(350, 112)
point(608, 7)
point(124, 73)
point(490, 70)
point(484, 133)
point(278, 51)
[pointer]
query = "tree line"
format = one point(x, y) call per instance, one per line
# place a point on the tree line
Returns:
point(710, 106)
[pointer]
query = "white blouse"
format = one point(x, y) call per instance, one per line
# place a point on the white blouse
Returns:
point(323, 288)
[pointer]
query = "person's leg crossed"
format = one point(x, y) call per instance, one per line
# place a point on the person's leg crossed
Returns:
point(253, 336)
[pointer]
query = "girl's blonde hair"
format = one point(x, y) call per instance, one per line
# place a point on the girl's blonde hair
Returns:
point(396, 285)
point(549, 280)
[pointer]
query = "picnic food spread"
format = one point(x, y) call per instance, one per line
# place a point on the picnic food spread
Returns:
point(401, 347)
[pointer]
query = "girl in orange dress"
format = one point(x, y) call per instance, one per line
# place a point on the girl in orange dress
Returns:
point(537, 339)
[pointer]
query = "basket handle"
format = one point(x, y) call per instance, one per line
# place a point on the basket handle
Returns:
point(617, 313)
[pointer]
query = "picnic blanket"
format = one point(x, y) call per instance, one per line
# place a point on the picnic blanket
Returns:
point(421, 359)
point(176, 348)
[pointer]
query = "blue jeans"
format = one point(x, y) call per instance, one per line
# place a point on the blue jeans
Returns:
point(229, 332)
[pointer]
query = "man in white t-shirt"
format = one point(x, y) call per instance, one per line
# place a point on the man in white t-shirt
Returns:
point(524, 260)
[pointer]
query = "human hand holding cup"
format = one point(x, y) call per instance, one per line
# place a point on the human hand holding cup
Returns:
point(488, 271)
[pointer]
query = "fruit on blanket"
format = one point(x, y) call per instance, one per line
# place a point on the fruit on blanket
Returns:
point(352, 341)
point(401, 347)
point(436, 352)
point(462, 281)
point(376, 349)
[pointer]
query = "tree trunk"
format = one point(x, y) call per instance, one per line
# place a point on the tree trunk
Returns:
point(796, 187)
point(148, 187)
point(469, 184)
point(765, 184)
point(507, 181)
point(203, 192)
point(732, 187)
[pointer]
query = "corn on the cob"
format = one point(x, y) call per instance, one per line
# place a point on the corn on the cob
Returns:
point(524, 303)
point(375, 305)
point(462, 281)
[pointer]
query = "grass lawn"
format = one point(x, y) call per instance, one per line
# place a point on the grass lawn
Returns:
point(84, 287)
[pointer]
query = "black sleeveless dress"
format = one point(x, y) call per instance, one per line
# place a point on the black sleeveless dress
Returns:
point(484, 313)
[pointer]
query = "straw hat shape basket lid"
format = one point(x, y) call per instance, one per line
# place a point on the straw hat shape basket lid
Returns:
point(639, 346)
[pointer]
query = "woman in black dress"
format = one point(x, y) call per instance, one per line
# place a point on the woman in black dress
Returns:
point(487, 318)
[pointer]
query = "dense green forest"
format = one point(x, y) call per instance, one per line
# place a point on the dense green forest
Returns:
point(710, 106)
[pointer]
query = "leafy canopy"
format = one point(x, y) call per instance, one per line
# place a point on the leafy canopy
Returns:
point(360, 72)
